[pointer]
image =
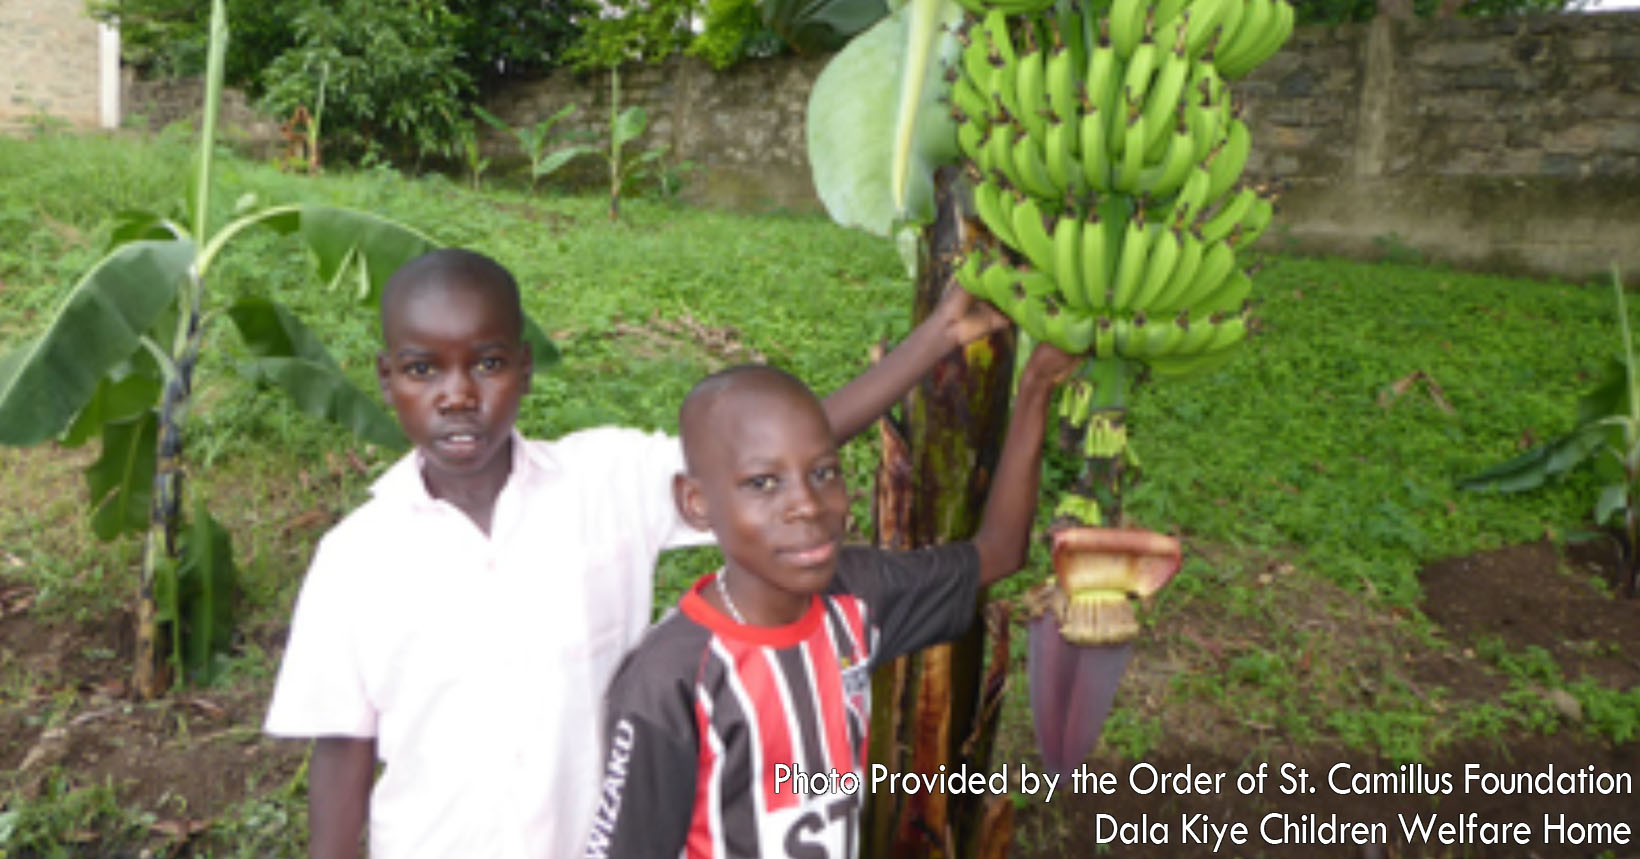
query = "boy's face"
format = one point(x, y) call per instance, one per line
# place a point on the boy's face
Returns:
point(454, 370)
point(767, 481)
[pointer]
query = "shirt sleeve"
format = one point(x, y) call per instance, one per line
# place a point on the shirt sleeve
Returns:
point(916, 598)
point(320, 690)
point(650, 756)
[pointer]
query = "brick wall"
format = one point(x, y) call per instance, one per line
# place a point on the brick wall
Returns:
point(48, 62)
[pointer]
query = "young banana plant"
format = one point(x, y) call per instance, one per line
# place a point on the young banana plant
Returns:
point(117, 358)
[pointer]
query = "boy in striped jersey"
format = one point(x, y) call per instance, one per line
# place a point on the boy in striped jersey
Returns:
point(764, 670)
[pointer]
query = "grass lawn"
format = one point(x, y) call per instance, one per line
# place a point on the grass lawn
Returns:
point(1312, 480)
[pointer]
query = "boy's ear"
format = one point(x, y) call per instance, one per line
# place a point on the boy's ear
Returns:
point(690, 501)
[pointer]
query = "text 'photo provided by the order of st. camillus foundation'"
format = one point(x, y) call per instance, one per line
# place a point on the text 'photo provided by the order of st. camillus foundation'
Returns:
point(1304, 806)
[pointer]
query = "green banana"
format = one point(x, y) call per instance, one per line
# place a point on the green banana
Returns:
point(1033, 317)
point(1167, 10)
point(1033, 173)
point(976, 64)
point(970, 140)
point(1101, 79)
point(1267, 47)
point(1227, 332)
point(1165, 178)
point(1162, 103)
point(1228, 22)
point(1034, 241)
point(1079, 330)
point(1191, 249)
point(1255, 222)
point(1095, 262)
point(1192, 197)
point(1104, 337)
point(1205, 16)
point(1162, 256)
point(1161, 338)
point(1217, 261)
point(1004, 61)
point(1130, 266)
point(996, 157)
point(1229, 215)
point(1184, 366)
point(1126, 178)
point(1067, 262)
point(973, 105)
point(1228, 160)
point(1197, 334)
point(1138, 74)
point(1127, 25)
point(1030, 83)
point(1061, 85)
point(1228, 297)
point(994, 207)
point(1255, 22)
point(1059, 158)
point(1095, 156)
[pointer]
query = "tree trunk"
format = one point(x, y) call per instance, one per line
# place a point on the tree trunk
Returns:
point(928, 709)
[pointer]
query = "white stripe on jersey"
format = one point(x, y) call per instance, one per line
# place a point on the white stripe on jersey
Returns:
point(754, 741)
point(714, 784)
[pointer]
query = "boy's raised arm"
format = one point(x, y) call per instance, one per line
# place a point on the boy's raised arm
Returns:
point(340, 773)
point(1010, 506)
point(959, 318)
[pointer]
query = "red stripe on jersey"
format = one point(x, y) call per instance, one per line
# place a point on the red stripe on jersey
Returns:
point(779, 746)
point(706, 772)
point(828, 695)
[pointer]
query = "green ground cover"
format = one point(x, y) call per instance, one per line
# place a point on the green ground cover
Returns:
point(1301, 449)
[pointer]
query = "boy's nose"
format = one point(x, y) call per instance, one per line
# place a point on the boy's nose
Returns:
point(459, 393)
point(804, 501)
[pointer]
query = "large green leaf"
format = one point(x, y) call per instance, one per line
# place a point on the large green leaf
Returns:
point(121, 481)
point(340, 238)
point(292, 358)
point(132, 386)
point(197, 599)
point(1540, 464)
point(818, 26)
point(45, 382)
point(630, 124)
point(876, 124)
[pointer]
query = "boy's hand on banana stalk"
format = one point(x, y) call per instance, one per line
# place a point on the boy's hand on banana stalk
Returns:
point(963, 317)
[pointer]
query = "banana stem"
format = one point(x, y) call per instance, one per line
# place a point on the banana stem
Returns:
point(1105, 471)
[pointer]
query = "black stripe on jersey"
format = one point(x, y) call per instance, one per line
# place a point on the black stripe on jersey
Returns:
point(794, 675)
point(842, 641)
point(732, 725)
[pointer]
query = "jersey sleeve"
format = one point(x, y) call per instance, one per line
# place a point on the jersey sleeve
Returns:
point(320, 689)
point(651, 750)
point(916, 598)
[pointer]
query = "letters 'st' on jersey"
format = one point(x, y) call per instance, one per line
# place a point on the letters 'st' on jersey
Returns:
point(727, 740)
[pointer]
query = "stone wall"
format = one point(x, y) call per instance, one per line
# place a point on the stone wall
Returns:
point(48, 62)
point(1506, 144)
point(154, 104)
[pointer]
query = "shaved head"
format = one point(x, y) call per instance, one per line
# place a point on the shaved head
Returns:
point(727, 395)
point(451, 269)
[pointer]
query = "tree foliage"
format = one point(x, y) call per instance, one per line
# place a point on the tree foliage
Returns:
point(1346, 11)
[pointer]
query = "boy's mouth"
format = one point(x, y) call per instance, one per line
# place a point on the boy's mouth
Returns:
point(812, 556)
point(458, 443)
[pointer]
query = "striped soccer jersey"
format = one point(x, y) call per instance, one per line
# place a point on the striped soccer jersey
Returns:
point(725, 740)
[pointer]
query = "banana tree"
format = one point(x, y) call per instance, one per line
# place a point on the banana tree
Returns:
point(1100, 158)
point(117, 358)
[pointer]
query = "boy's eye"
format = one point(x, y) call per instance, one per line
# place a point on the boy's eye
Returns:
point(417, 369)
point(761, 482)
point(827, 473)
point(490, 364)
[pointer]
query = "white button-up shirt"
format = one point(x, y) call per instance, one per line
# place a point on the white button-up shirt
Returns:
point(479, 663)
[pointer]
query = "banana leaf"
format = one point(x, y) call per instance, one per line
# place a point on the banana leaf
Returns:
point(132, 386)
point(876, 124)
point(291, 357)
point(343, 238)
point(818, 26)
point(1537, 466)
point(46, 382)
point(629, 125)
point(121, 481)
point(196, 597)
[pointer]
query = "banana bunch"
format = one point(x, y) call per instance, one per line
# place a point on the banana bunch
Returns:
point(1105, 155)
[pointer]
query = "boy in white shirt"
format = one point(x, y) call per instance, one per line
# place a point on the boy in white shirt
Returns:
point(461, 625)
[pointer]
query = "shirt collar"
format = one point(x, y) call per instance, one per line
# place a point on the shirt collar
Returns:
point(402, 481)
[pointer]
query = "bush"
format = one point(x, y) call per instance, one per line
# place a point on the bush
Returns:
point(392, 85)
